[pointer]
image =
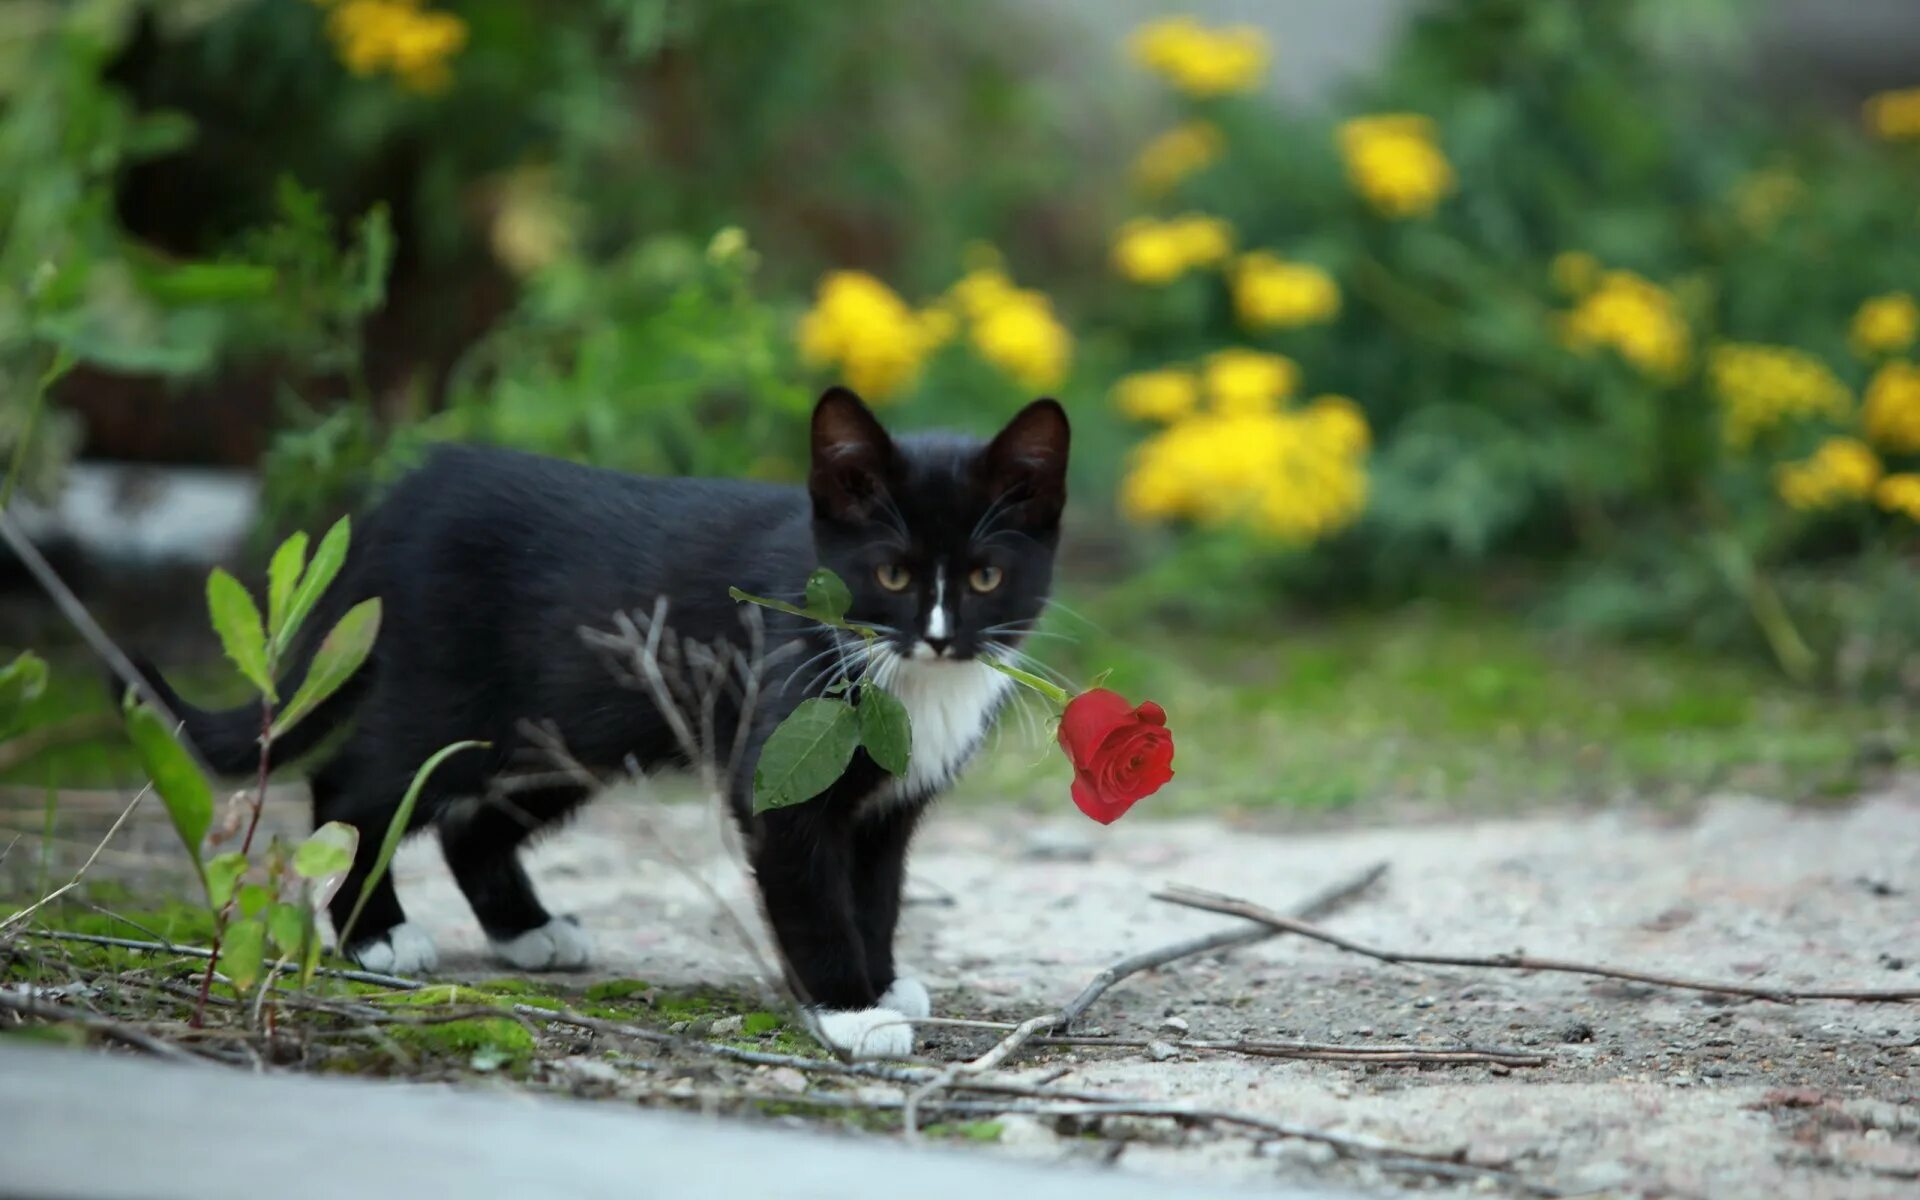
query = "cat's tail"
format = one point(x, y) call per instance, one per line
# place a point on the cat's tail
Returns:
point(228, 739)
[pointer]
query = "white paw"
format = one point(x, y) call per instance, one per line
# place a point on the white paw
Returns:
point(863, 1032)
point(559, 945)
point(406, 949)
point(908, 996)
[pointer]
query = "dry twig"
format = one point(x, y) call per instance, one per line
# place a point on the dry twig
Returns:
point(1191, 897)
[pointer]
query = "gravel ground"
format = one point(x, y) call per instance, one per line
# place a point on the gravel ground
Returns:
point(1648, 1091)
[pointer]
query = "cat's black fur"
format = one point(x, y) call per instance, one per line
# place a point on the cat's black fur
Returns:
point(489, 563)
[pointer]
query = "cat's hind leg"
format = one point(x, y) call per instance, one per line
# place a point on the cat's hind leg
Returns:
point(481, 840)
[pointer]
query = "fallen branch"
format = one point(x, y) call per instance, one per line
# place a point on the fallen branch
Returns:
point(1385, 1056)
point(97, 939)
point(1191, 897)
point(27, 1006)
point(1317, 906)
point(1104, 981)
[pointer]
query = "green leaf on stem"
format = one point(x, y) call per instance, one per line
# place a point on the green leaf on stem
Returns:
point(827, 596)
point(183, 789)
point(288, 924)
point(325, 858)
point(252, 898)
point(283, 577)
point(341, 652)
point(885, 729)
point(326, 563)
point(237, 620)
point(805, 753)
point(396, 832)
point(243, 951)
point(223, 873)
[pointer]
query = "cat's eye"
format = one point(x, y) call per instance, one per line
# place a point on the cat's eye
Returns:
point(985, 579)
point(893, 576)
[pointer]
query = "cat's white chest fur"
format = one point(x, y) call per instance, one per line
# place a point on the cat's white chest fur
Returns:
point(951, 705)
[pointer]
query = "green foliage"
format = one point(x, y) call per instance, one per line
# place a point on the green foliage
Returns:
point(886, 730)
point(806, 753)
point(183, 789)
point(22, 682)
point(237, 620)
point(336, 659)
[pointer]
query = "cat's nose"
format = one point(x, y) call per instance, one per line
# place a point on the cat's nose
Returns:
point(939, 646)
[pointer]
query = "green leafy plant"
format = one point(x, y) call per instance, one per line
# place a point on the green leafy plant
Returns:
point(264, 909)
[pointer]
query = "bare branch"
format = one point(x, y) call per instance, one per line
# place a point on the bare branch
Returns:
point(1191, 897)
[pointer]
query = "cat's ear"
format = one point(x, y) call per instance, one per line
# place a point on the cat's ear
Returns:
point(852, 457)
point(1027, 462)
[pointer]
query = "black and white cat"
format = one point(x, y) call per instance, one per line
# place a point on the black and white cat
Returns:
point(488, 564)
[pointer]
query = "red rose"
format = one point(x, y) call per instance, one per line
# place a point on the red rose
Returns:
point(1119, 753)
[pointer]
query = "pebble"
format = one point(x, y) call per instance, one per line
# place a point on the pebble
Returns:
point(787, 1079)
point(1160, 1051)
point(1175, 1025)
point(727, 1026)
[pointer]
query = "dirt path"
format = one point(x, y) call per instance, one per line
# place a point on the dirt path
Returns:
point(1649, 1092)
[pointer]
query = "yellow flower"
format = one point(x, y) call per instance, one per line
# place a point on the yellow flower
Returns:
point(1241, 381)
point(1637, 318)
point(1894, 115)
point(1342, 422)
point(1762, 198)
point(1892, 408)
point(1759, 387)
point(1840, 471)
point(1899, 494)
point(860, 325)
point(1021, 336)
point(1176, 154)
point(399, 37)
point(1271, 293)
point(1294, 476)
point(533, 224)
point(1201, 61)
point(1395, 163)
point(1575, 272)
point(1164, 395)
point(1885, 324)
point(1158, 252)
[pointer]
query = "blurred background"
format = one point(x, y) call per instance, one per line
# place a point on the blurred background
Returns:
point(1476, 401)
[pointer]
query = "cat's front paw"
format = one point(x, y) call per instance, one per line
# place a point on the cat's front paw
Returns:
point(908, 996)
point(406, 949)
point(559, 945)
point(863, 1032)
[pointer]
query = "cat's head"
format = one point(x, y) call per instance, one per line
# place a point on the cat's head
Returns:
point(946, 542)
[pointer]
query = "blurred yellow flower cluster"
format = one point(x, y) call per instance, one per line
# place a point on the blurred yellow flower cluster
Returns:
point(1394, 161)
point(1638, 318)
point(880, 343)
point(1887, 324)
point(401, 37)
point(1201, 61)
point(875, 338)
point(1296, 474)
point(1176, 154)
point(1156, 252)
point(1761, 386)
point(1013, 328)
point(1899, 494)
point(1843, 469)
point(1891, 411)
point(1271, 293)
point(1895, 115)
